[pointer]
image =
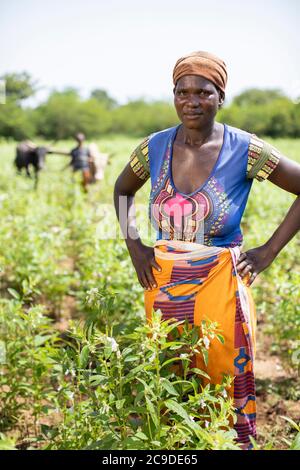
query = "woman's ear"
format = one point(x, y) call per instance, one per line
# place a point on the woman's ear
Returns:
point(221, 99)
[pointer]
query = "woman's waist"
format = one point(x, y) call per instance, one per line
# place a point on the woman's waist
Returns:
point(196, 255)
point(178, 249)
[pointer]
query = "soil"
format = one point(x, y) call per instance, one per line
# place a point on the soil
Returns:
point(277, 393)
point(68, 310)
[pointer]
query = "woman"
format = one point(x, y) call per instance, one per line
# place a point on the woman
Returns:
point(201, 174)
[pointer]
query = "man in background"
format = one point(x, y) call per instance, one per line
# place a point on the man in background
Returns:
point(80, 160)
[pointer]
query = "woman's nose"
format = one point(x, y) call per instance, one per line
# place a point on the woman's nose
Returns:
point(193, 101)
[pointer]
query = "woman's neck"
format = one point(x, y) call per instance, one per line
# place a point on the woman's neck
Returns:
point(197, 137)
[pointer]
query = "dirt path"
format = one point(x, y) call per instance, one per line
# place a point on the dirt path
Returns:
point(277, 394)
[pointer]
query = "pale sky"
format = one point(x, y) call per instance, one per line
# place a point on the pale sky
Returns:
point(130, 47)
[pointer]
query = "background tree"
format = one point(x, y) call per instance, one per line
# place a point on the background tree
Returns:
point(267, 112)
point(59, 117)
point(257, 97)
point(104, 98)
point(15, 121)
point(19, 86)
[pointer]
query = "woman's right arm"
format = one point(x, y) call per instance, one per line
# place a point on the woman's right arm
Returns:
point(142, 256)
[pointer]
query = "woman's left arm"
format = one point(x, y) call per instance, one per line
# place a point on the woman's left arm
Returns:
point(286, 176)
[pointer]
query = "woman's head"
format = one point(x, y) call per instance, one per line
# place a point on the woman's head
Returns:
point(199, 88)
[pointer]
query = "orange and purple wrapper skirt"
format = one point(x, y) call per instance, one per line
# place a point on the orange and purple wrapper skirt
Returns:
point(201, 282)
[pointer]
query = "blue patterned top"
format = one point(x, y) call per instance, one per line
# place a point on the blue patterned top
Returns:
point(212, 214)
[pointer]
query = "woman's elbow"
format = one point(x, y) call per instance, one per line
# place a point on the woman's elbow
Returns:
point(122, 189)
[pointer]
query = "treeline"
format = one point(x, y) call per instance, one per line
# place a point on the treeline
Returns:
point(263, 112)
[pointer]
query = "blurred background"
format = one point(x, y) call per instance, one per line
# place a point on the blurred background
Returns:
point(106, 67)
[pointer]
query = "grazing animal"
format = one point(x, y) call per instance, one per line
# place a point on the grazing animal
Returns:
point(28, 154)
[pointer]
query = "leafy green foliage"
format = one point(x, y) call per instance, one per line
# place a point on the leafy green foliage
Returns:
point(112, 381)
point(110, 393)
point(19, 86)
point(263, 112)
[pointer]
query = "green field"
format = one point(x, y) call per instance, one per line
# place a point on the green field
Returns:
point(72, 325)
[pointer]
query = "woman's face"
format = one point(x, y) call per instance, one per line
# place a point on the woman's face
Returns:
point(196, 100)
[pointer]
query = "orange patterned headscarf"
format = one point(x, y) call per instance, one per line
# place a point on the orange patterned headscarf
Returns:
point(202, 63)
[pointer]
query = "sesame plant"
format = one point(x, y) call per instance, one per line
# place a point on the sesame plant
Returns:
point(124, 393)
point(27, 341)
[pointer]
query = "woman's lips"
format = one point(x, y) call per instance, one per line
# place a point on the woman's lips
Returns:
point(192, 115)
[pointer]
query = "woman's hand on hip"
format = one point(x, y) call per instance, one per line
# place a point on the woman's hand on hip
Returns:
point(253, 262)
point(143, 260)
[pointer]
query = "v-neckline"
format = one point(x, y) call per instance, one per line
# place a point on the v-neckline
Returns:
point(173, 137)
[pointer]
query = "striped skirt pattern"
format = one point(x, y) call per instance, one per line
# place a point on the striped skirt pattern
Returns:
point(201, 282)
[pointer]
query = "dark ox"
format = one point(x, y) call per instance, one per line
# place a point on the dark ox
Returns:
point(28, 156)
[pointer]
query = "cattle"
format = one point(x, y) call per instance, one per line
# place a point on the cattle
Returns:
point(29, 155)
